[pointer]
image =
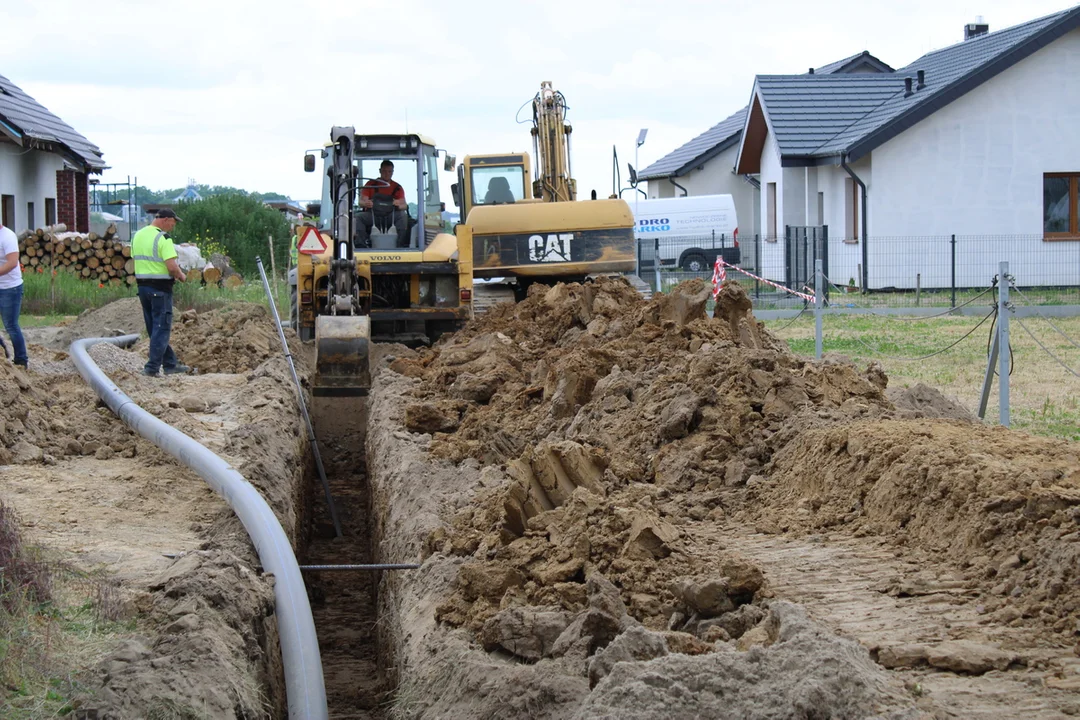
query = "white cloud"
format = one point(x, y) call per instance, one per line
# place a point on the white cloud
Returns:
point(234, 92)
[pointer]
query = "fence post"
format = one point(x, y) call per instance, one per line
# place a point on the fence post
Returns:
point(1003, 344)
point(637, 256)
point(818, 306)
point(757, 266)
point(656, 262)
point(953, 243)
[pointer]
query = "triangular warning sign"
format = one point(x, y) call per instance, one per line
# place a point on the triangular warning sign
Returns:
point(311, 243)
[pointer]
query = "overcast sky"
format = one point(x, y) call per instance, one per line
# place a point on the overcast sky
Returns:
point(232, 93)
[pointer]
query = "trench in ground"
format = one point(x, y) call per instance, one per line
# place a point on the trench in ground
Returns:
point(344, 602)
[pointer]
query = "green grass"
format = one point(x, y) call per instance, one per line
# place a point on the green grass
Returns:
point(31, 321)
point(1044, 397)
point(54, 297)
point(55, 623)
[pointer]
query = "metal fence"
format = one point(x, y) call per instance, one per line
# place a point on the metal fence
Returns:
point(927, 271)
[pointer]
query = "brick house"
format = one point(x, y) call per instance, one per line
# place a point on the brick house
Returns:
point(44, 165)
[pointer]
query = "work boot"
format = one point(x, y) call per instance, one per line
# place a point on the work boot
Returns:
point(179, 369)
point(150, 374)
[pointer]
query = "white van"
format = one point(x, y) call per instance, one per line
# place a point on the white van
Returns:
point(692, 231)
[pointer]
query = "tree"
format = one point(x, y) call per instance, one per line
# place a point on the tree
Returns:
point(237, 221)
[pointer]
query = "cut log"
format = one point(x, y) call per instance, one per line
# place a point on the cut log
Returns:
point(92, 263)
point(126, 252)
point(194, 276)
point(97, 243)
point(92, 236)
point(117, 263)
point(85, 272)
point(111, 230)
point(211, 275)
point(85, 244)
point(129, 267)
point(233, 281)
point(130, 280)
point(24, 259)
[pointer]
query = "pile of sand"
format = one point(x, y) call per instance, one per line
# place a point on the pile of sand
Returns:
point(607, 422)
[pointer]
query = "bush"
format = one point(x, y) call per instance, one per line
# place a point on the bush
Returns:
point(240, 223)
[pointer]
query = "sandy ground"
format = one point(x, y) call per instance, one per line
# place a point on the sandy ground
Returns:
point(611, 480)
point(88, 487)
point(624, 509)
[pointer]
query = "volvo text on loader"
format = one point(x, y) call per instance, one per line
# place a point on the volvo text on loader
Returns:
point(367, 274)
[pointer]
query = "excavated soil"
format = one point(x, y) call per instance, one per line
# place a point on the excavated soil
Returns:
point(616, 450)
point(181, 563)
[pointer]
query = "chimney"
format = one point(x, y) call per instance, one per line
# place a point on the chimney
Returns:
point(811, 71)
point(975, 29)
point(921, 80)
point(907, 87)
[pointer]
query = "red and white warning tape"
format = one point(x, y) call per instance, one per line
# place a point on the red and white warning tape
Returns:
point(720, 275)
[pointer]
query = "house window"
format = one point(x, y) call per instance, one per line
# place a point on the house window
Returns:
point(50, 211)
point(1061, 206)
point(770, 212)
point(851, 211)
point(7, 211)
point(30, 219)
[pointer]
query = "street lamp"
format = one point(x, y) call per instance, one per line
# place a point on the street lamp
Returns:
point(637, 252)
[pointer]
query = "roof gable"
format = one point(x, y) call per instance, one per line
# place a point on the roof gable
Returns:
point(818, 118)
point(728, 131)
point(29, 124)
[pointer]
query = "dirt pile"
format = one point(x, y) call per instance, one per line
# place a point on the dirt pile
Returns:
point(613, 423)
point(541, 660)
point(1003, 505)
point(120, 317)
point(45, 419)
point(236, 338)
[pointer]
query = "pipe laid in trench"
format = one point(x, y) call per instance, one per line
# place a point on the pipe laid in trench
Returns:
point(304, 686)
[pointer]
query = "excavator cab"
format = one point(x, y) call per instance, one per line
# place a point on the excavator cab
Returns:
point(379, 273)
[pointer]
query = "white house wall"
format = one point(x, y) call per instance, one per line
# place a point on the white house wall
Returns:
point(845, 257)
point(772, 249)
point(715, 178)
point(30, 177)
point(975, 169)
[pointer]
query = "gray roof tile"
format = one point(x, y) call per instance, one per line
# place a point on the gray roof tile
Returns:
point(728, 131)
point(33, 121)
point(950, 72)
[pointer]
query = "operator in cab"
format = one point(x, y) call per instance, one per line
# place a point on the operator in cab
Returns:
point(391, 200)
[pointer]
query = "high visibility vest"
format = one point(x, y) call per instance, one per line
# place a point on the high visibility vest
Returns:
point(148, 248)
point(294, 252)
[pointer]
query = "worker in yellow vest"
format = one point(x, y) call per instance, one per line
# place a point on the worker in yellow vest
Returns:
point(156, 269)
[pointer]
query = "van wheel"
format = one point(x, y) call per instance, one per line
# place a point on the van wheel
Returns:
point(694, 262)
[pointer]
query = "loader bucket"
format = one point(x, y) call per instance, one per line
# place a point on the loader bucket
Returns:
point(342, 344)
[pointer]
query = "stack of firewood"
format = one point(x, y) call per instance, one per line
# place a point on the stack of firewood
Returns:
point(99, 258)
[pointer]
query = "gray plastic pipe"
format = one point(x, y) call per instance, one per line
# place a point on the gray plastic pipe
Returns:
point(304, 686)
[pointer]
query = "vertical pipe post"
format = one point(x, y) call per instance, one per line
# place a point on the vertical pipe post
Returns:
point(656, 263)
point(953, 263)
point(1003, 344)
point(819, 281)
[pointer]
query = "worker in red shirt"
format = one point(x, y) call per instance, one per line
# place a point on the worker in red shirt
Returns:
point(385, 188)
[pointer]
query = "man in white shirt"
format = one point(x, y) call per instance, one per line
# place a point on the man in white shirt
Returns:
point(11, 292)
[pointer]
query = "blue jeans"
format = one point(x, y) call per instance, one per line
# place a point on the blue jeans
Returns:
point(157, 314)
point(10, 307)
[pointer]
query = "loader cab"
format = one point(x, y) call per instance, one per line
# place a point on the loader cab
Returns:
point(491, 180)
point(416, 169)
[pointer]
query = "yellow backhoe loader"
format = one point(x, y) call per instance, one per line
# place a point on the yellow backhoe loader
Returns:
point(378, 267)
point(551, 236)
